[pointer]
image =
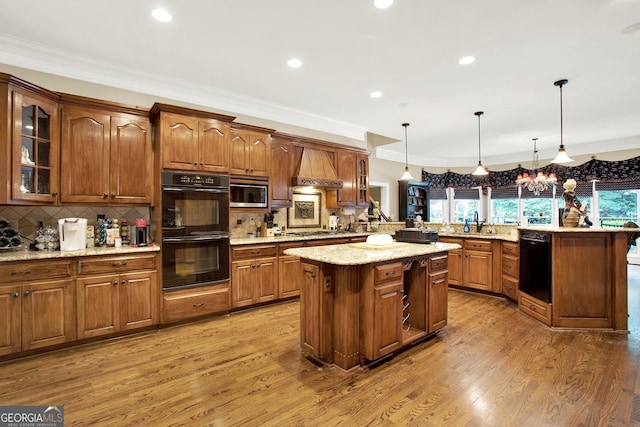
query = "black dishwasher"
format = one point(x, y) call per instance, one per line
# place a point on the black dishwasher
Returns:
point(535, 264)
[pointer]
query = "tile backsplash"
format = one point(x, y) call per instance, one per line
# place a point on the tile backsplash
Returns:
point(25, 218)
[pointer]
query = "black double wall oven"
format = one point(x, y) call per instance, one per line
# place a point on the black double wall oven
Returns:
point(195, 230)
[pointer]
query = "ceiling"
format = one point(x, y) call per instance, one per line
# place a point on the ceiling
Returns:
point(231, 55)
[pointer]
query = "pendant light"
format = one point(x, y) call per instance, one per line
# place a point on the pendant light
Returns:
point(406, 176)
point(562, 155)
point(480, 170)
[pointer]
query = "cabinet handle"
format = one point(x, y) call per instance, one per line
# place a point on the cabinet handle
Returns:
point(310, 273)
point(200, 304)
point(25, 272)
point(251, 170)
point(435, 282)
point(246, 169)
point(16, 294)
point(26, 293)
point(532, 307)
point(115, 282)
point(123, 282)
point(113, 195)
point(54, 194)
point(390, 273)
point(255, 251)
point(105, 195)
point(202, 164)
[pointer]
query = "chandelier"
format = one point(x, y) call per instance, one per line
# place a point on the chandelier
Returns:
point(538, 181)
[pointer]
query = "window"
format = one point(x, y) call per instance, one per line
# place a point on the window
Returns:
point(466, 203)
point(504, 205)
point(437, 199)
point(618, 202)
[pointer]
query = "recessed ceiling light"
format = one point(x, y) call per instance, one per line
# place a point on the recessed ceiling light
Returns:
point(294, 63)
point(382, 4)
point(466, 60)
point(161, 15)
point(376, 94)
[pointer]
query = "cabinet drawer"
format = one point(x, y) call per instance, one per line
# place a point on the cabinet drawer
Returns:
point(22, 271)
point(178, 305)
point(253, 251)
point(284, 246)
point(477, 245)
point(383, 273)
point(510, 287)
point(510, 266)
point(438, 263)
point(535, 308)
point(509, 248)
point(116, 264)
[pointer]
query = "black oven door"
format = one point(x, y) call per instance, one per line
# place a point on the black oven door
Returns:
point(194, 262)
point(194, 211)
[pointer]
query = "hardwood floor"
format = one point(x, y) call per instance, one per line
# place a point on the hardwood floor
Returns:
point(490, 366)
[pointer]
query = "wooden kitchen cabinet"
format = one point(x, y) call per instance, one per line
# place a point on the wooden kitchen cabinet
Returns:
point(282, 155)
point(30, 143)
point(438, 284)
point(37, 305)
point(475, 266)
point(382, 314)
point(254, 275)
point(289, 271)
point(250, 151)
point(353, 170)
point(195, 302)
point(106, 156)
point(510, 270)
point(194, 143)
point(116, 294)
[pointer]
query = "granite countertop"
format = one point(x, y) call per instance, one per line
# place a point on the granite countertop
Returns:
point(362, 253)
point(511, 237)
point(26, 255)
point(552, 229)
point(294, 238)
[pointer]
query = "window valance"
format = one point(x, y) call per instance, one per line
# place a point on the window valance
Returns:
point(594, 169)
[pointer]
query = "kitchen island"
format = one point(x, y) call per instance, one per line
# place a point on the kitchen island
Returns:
point(360, 303)
point(586, 279)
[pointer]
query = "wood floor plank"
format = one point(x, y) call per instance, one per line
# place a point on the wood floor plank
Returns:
point(490, 366)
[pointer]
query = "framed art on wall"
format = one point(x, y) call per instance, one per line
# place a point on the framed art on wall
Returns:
point(306, 211)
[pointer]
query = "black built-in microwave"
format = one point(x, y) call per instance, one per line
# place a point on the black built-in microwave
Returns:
point(248, 194)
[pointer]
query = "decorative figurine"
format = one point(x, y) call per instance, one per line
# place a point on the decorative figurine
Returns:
point(575, 212)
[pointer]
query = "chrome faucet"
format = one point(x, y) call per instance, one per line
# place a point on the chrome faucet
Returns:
point(479, 223)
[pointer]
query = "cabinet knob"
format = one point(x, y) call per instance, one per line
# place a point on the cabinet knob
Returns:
point(115, 282)
point(251, 170)
point(16, 294)
point(105, 195)
point(201, 163)
point(26, 293)
point(113, 195)
point(54, 194)
point(122, 282)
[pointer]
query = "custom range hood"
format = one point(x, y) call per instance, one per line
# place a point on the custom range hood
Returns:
point(316, 169)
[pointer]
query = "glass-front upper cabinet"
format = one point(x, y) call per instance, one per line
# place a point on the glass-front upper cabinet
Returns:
point(35, 174)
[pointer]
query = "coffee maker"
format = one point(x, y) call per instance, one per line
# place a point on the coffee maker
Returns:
point(140, 233)
point(333, 222)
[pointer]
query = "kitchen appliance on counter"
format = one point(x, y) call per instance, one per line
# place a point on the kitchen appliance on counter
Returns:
point(72, 233)
point(195, 229)
point(416, 235)
point(333, 222)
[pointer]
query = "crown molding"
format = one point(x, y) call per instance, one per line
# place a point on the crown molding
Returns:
point(47, 59)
